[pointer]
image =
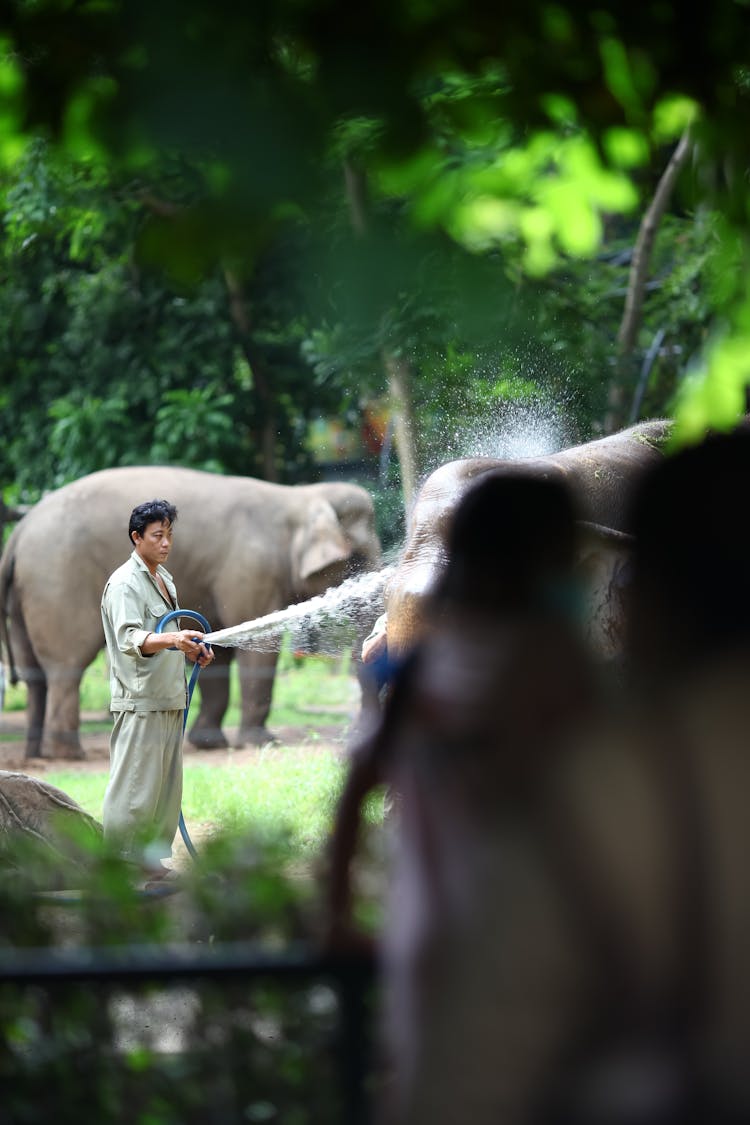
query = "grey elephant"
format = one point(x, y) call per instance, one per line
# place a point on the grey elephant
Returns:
point(601, 474)
point(243, 548)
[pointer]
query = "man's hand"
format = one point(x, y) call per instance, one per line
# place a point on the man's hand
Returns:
point(189, 641)
point(186, 640)
point(205, 654)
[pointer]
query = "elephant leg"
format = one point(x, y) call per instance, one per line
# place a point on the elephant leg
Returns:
point(61, 738)
point(256, 671)
point(206, 733)
point(32, 674)
point(36, 703)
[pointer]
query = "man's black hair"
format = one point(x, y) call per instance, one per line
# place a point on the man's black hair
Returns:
point(153, 511)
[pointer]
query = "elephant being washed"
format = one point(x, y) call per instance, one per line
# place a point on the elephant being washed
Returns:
point(243, 548)
point(601, 475)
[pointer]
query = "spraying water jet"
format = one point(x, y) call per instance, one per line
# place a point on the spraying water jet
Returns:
point(326, 623)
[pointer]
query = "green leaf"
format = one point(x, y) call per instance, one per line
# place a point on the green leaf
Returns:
point(672, 116)
point(626, 148)
point(80, 121)
point(714, 396)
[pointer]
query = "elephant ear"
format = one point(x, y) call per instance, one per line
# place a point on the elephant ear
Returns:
point(319, 542)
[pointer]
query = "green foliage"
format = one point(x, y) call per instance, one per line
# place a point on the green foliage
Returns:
point(578, 310)
point(81, 431)
point(497, 147)
point(108, 363)
point(91, 344)
point(196, 423)
point(233, 1048)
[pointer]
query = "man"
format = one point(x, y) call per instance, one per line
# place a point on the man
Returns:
point(148, 694)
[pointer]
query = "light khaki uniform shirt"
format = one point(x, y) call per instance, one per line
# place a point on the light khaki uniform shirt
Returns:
point(132, 605)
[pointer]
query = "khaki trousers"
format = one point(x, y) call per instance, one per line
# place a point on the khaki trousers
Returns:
point(144, 792)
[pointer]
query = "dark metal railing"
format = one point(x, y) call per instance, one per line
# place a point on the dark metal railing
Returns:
point(351, 977)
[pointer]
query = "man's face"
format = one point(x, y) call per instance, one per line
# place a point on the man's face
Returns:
point(155, 543)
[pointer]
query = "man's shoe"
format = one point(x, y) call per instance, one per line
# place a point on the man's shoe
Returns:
point(165, 881)
point(159, 871)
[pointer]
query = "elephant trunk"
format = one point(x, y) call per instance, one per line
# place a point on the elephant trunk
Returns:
point(406, 601)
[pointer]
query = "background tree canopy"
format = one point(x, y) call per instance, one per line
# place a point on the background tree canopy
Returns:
point(221, 220)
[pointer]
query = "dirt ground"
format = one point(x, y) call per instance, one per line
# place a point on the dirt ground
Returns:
point(312, 737)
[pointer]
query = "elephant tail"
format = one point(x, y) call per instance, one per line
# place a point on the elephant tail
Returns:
point(7, 568)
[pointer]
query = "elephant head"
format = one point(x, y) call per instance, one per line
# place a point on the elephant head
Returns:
point(319, 550)
point(601, 475)
point(335, 539)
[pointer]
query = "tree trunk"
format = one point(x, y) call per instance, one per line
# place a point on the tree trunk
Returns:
point(627, 335)
point(266, 431)
point(397, 369)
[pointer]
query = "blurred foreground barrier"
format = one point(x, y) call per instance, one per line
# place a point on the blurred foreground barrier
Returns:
point(214, 1033)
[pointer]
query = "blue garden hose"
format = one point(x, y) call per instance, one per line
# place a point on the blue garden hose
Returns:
point(191, 684)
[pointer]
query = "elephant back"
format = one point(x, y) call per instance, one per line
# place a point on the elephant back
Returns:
point(603, 473)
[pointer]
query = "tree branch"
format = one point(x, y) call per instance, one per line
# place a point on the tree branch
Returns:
point(639, 266)
point(637, 282)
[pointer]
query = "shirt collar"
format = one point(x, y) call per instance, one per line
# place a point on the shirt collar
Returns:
point(162, 570)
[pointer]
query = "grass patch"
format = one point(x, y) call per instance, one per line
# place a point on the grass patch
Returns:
point(284, 790)
point(290, 791)
point(84, 787)
point(308, 689)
